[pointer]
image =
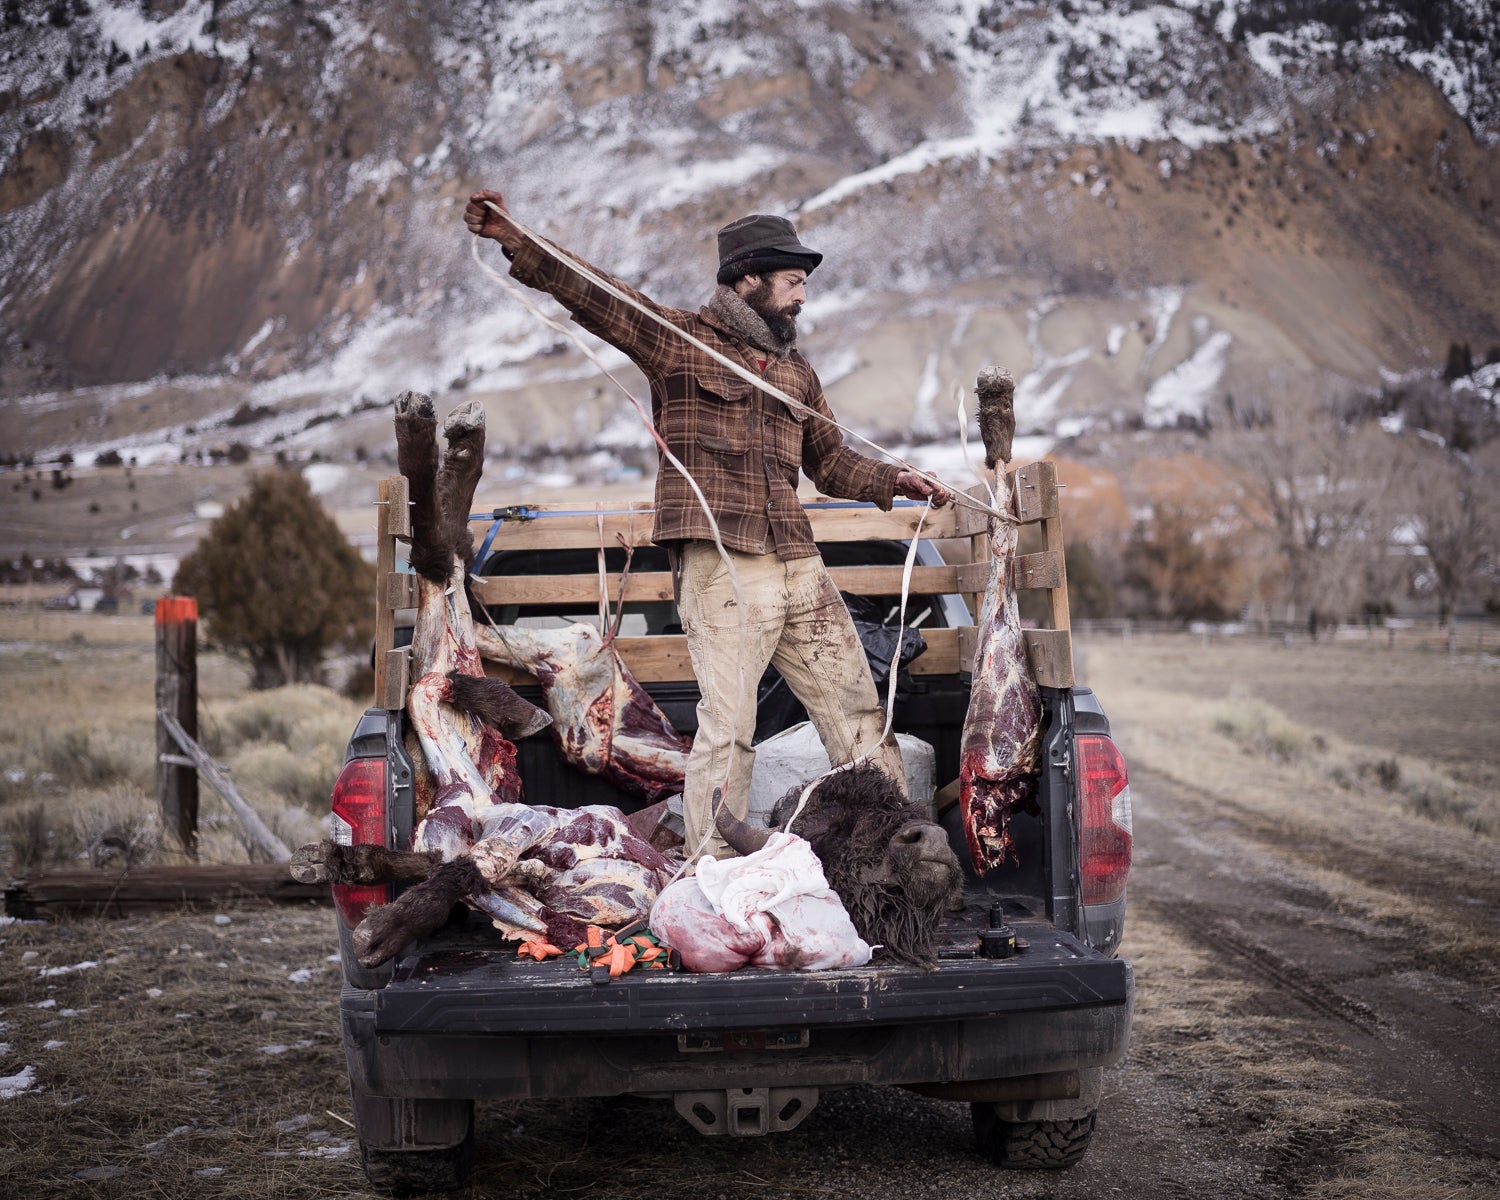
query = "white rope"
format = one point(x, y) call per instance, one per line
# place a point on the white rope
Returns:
point(739, 369)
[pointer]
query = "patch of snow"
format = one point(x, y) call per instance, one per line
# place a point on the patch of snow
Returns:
point(278, 1048)
point(1393, 422)
point(108, 1171)
point(1187, 388)
point(54, 1044)
point(924, 418)
point(302, 975)
point(330, 1150)
point(322, 478)
point(19, 1084)
point(49, 972)
point(841, 362)
point(1164, 303)
point(259, 336)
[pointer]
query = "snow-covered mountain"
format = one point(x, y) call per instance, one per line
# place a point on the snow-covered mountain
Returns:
point(245, 215)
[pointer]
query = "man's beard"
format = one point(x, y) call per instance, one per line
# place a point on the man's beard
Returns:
point(783, 321)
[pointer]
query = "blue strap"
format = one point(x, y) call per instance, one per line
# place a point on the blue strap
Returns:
point(521, 513)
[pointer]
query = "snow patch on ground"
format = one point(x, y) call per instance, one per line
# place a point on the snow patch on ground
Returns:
point(20, 1084)
point(49, 972)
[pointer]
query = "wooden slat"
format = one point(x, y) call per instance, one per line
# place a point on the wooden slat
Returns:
point(562, 527)
point(972, 577)
point(657, 585)
point(399, 509)
point(1042, 570)
point(397, 677)
point(385, 563)
point(1051, 654)
point(965, 646)
point(665, 657)
point(112, 893)
point(972, 522)
point(400, 590)
point(1059, 615)
point(1036, 491)
point(570, 589)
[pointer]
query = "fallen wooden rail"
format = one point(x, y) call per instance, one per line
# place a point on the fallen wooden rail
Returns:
point(154, 889)
point(267, 842)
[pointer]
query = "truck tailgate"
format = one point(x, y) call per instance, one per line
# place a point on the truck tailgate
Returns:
point(455, 989)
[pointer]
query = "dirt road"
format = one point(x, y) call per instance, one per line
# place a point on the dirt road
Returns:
point(1312, 926)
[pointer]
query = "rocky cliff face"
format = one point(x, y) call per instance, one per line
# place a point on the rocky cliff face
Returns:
point(1142, 208)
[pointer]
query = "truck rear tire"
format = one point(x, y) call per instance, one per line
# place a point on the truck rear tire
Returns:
point(418, 1172)
point(1031, 1145)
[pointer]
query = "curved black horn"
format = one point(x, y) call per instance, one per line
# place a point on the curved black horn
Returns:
point(742, 838)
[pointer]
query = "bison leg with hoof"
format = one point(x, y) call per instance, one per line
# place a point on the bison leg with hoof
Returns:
point(532, 870)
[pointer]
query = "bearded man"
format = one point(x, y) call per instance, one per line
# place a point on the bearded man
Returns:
point(745, 449)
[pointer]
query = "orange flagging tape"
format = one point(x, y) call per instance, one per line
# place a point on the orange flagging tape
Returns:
point(171, 610)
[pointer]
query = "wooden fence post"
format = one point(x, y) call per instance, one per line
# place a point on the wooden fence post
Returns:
point(177, 694)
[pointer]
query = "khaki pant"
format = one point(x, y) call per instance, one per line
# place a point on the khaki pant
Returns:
point(796, 620)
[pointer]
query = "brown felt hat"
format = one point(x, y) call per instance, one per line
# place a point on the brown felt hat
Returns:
point(759, 243)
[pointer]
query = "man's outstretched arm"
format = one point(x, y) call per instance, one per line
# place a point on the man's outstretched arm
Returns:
point(651, 347)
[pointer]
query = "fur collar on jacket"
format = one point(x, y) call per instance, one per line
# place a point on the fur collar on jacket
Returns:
point(729, 309)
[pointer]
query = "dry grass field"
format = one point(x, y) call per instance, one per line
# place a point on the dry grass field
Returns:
point(196, 1053)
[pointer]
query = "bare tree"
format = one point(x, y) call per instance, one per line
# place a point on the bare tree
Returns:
point(1455, 515)
point(1324, 491)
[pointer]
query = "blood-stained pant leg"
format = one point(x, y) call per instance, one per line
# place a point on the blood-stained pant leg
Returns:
point(710, 618)
point(822, 660)
point(795, 618)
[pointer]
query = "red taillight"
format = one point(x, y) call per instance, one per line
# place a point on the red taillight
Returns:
point(359, 818)
point(1106, 819)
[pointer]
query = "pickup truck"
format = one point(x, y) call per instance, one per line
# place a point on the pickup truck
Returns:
point(1019, 1027)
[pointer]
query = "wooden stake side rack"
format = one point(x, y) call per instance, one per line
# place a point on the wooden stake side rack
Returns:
point(664, 657)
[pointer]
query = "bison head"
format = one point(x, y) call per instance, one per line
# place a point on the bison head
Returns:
point(890, 865)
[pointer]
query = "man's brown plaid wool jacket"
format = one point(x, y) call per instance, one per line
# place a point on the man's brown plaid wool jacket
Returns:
point(742, 446)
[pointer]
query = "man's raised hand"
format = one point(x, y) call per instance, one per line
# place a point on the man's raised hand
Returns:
point(484, 221)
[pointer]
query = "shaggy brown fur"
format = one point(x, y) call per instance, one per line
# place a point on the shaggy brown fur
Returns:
point(890, 865)
point(495, 702)
point(417, 459)
point(440, 496)
point(417, 912)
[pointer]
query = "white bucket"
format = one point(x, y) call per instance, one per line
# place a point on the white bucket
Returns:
point(791, 758)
